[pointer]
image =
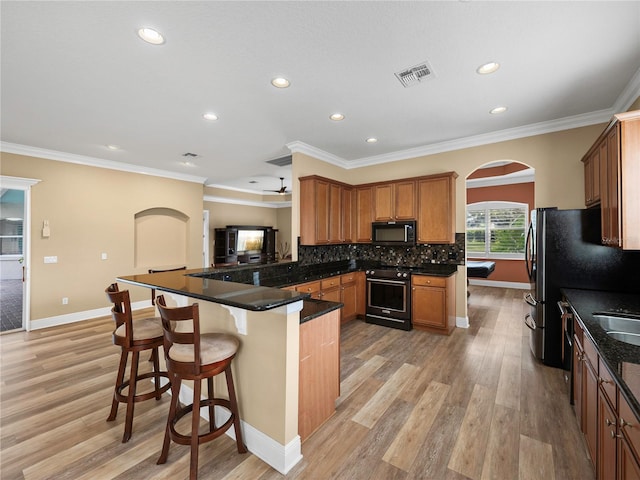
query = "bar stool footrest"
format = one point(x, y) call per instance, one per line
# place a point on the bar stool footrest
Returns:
point(205, 437)
point(119, 396)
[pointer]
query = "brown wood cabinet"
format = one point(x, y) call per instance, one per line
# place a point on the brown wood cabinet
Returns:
point(319, 374)
point(433, 303)
point(361, 294)
point(364, 214)
point(592, 177)
point(617, 151)
point(437, 209)
point(326, 211)
point(395, 201)
point(349, 297)
point(611, 430)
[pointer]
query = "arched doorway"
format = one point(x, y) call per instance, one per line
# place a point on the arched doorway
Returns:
point(499, 198)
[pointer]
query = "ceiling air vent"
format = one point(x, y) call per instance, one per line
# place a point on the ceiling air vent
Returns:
point(281, 162)
point(413, 75)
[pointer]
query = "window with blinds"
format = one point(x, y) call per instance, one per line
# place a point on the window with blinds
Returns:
point(496, 230)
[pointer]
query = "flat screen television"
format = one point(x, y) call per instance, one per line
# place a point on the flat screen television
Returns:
point(250, 241)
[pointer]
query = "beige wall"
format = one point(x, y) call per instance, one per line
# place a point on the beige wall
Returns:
point(92, 211)
point(555, 157)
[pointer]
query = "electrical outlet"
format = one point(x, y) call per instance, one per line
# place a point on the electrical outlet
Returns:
point(65, 300)
point(103, 256)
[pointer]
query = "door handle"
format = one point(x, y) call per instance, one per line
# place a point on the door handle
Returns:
point(528, 322)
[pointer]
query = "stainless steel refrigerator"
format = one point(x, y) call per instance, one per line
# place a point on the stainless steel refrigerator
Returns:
point(563, 250)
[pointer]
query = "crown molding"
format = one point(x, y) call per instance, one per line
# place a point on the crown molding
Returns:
point(301, 147)
point(629, 95)
point(248, 203)
point(95, 162)
point(592, 118)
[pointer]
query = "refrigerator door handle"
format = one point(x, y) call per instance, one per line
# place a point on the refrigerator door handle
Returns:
point(528, 322)
point(528, 298)
point(529, 254)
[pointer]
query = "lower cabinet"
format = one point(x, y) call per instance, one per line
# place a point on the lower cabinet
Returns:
point(433, 303)
point(319, 374)
point(611, 430)
point(340, 288)
point(349, 297)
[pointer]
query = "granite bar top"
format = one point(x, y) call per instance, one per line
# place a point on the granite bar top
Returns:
point(622, 359)
point(248, 297)
point(315, 308)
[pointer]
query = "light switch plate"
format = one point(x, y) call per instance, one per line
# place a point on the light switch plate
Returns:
point(53, 259)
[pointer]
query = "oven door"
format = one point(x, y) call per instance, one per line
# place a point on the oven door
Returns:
point(389, 298)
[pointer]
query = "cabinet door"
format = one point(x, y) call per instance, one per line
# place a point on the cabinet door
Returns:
point(383, 202)
point(349, 298)
point(404, 200)
point(436, 210)
point(314, 211)
point(331, 295)
point(590, 408)
point(428, 306)
point(361, 293)
point(607, 440)
point(628, 468)
point(348, 209)
point(335, 213)
point(609, 191)
point(364, 214)
point(578, 375)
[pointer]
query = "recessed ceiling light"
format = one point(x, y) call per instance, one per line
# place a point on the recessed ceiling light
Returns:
point(371, 140)
point(113, 147)
point(337, 117)
point(488, 68)
point(187, 163)
point(151, 36)
point(280, 82)
point(210, 116)
point(498, 110)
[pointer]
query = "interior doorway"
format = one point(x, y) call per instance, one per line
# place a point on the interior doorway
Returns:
point(15, 198)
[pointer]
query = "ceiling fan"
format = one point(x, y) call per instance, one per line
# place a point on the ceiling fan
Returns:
point(282, 190)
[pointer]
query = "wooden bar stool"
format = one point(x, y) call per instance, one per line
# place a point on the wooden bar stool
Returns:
point(194, 356)
point(133, 337)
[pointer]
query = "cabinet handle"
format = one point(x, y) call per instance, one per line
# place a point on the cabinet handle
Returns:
point(624, 423)
point(603, 381)
point(609, 422)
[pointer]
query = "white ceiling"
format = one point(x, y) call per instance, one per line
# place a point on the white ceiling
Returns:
point(75, 77)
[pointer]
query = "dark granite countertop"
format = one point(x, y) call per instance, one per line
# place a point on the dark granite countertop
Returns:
point(622, 359)
point(248, 297)
point(315, 308)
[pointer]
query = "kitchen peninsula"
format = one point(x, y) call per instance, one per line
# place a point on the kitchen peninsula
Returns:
point(267, 366)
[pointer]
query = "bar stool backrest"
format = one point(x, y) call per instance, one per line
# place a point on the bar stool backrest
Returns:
point(175, 333)
point(121, 313)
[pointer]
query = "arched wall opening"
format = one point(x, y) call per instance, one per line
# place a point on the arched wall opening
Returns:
point(161, 238)
point(504, 183)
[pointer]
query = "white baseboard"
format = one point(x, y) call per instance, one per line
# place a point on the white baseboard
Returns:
point(281, 457)
point(57, 320)
point(462, 322)
point(500, 284)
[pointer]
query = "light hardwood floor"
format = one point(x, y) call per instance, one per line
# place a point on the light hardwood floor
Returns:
point(413, 405)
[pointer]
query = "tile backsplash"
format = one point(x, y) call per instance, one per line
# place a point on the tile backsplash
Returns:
point(404, 256)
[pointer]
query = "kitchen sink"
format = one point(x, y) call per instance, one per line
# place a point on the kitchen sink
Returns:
point(632, 338)
point(623, 328)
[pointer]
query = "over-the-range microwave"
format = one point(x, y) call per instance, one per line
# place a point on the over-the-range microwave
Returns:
point(394, 233)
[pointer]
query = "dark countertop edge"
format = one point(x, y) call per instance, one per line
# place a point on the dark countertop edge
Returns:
point(612, 352)
point(221, 301)
point(313, 308)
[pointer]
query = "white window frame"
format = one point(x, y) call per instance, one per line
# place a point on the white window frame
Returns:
point(486, 206)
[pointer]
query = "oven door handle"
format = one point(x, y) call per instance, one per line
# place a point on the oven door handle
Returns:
point(528, 322)
point(393, 282)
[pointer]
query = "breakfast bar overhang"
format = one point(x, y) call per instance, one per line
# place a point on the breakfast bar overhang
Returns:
point(266, 368)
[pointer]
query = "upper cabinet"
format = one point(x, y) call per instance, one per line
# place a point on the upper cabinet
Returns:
point(437, 208)
point(332, 212)
point(395, 201)
point(617, 151)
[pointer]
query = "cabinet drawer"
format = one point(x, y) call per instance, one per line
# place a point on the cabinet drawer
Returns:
point(629, 424)
point(308, 287)
point(607, 384)
point(330, 283)
point(428, 281)
point(348, 278)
